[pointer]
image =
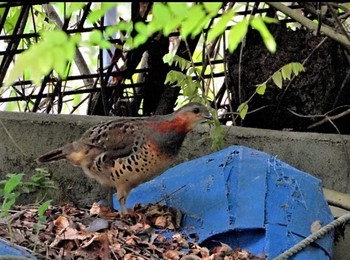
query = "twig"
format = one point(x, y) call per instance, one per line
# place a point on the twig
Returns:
point(341, 88)
point(330, 120)
point(327, 118)
point(11, 138)
point(293, 77)
point(309, 24)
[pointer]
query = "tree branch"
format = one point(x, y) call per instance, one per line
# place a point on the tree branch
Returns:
point(309, 24)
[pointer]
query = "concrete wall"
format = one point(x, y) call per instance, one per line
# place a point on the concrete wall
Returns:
point(25, 136)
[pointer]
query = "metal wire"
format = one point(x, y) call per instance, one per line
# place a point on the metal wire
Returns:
point(313, 237)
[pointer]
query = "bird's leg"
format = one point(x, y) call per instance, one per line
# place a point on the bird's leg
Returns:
point(122, 201)
point(110, 194)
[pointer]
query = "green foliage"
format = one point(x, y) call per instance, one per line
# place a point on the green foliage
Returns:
point(9, 197)
point(8, 193)
point(98, 13)
point(54, 52)
point(284, 73)
point(189, 87)
point(39, 183)
point(177, 60)
point(192, 91)
point(190, 20)
point(237, 34)
point(74, 7)
point(258, 24)
point(217, 135)
point(96, 38)
point(13, 187)
point(11, 19)
point(261, 88)
point(243, 109)
point(41, 219)
point(220, 26)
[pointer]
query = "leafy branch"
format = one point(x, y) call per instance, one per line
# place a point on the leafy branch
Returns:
point(284, 73)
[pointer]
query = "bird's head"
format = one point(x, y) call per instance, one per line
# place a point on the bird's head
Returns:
point(194, 112)
point(184, 119)
point(190, 115)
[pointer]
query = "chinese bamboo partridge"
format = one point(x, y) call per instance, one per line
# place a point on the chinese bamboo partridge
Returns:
point(127, 152)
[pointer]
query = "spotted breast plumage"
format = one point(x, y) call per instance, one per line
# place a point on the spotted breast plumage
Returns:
point(127, 152)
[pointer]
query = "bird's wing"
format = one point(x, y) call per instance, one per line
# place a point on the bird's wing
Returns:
point(116, 136)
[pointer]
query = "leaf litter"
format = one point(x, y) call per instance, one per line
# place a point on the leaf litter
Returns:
point(147, 232)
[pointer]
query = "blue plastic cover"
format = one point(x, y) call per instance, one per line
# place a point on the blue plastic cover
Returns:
point(243, 197)
point(9, 249)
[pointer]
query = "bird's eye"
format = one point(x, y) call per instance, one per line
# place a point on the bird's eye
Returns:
point(196, 110)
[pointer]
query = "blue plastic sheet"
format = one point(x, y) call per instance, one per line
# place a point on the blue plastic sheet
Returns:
point(9, 249)
point(245, 198)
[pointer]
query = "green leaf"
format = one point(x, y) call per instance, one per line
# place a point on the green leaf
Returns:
point(179, 9)
point(12, 183)
point(217, 136)
point(270, 20)
point(141, 28)
point(56, 37)
point(270, 43)
point(74, 7)
point(43, 207)
point(161, 13)
point(297, 68)
point(220, 26)
point(172, 25)
point(236, 34)
point(168, 58)
point(192, 22)
point(108, 5)
point(104, 44)
point(59, 64)
point(18, 68)
point(191, 88)
point(75, 38)
point(178, 12)
point(139, 40)
point(41, 58)
point(69, 51)
point(8, 205)
point(110, 30)
point(95, 36)
point(212, 7)
point(174, 76)
point(181, 62)
point(286, 71)
point(205, 21)
point(277, 79)
point(126, 26)
point(96, 15)
point(243, 110)
point(11, 19)
point(191, 70)
point(261, 89)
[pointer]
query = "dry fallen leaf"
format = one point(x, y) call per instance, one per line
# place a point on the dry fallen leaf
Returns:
point(100, 233)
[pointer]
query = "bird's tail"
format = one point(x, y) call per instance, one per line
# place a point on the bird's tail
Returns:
point(52, 156)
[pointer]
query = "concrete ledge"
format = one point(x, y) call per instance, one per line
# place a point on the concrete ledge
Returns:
point(31, 134)
point(322, 155)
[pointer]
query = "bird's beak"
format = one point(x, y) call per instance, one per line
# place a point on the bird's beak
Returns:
point(209, 116)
